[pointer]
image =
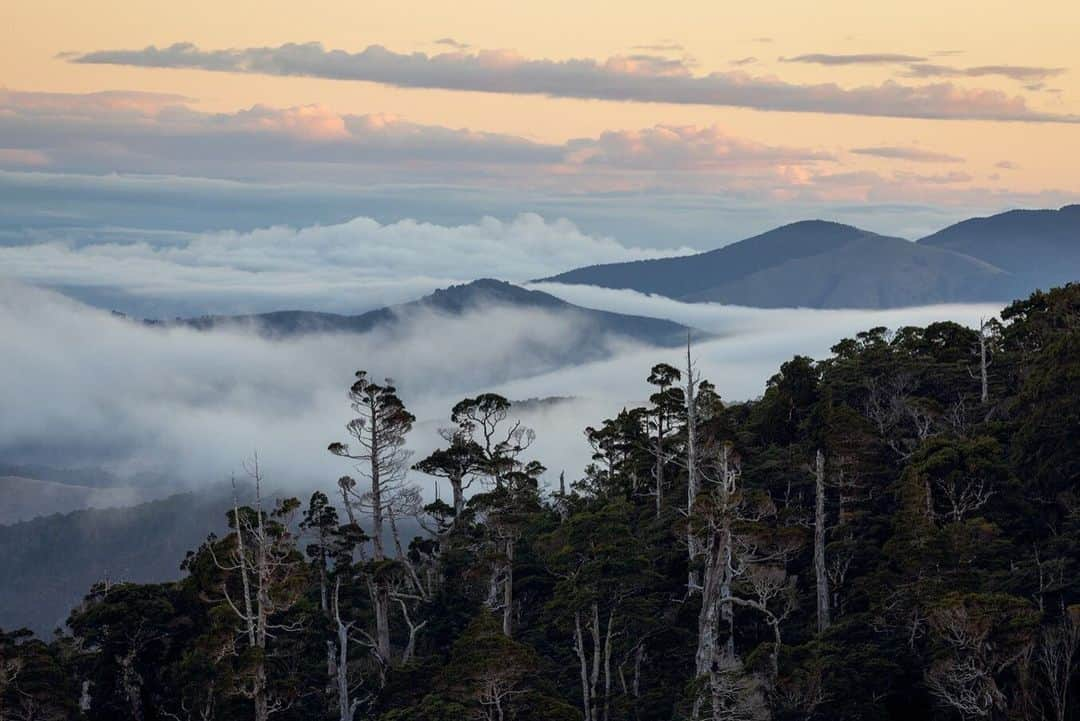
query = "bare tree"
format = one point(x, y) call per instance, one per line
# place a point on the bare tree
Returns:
point(693, 477)
point(381, 458)
point(263, 554)
point(1056, 658)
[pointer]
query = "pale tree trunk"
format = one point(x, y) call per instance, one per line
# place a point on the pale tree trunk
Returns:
point(346, 705)
point(381, 598)
point(821, 572)
point(262, 702)
point(508, 590)
point(693, 482)
point(985, 396)
point(579, 647)
point(457, 486)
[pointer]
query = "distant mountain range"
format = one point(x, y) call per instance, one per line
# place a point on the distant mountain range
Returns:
point(819, 264)
point(457, 300)
point(26, 498)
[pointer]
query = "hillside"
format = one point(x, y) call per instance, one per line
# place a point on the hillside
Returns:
point(820, 264)
point(1038, 247)
point(589, 332)
point(26, 498)
point(48, 563)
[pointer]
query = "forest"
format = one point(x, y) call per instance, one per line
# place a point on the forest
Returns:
point(892, 532)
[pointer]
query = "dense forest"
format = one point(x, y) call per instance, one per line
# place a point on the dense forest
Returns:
point(889, 533)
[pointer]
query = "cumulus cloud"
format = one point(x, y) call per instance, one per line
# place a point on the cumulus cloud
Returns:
point(619, 78)
point(93, 389)
point(349, 267)
point(917, 155)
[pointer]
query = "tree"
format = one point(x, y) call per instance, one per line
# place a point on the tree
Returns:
point(667, 403)
point(261, 579)
point(379, 431)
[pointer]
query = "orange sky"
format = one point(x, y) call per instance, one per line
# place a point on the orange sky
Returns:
point(989, 32)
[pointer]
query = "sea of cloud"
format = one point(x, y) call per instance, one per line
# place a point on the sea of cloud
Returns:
point(83, 387)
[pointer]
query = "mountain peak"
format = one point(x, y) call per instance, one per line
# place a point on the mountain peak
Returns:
point(464, 296)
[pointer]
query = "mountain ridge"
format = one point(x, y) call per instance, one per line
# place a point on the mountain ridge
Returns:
point(824, 264)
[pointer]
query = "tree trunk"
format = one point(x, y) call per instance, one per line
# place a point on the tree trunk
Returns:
point(508, 590)
point(821, 572)
point(457, 486)
point(693, 483)
point(579, 647)
point(985, 396)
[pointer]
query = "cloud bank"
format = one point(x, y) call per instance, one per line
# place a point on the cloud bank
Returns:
point(634, 78)
point(349, 267)
point(139, 132)
point(93, 389)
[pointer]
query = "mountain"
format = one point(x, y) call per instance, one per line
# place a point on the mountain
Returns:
point(26, 498)
point(456, 301)
point(1039, 248)
point(48, 563)
point(820, 264)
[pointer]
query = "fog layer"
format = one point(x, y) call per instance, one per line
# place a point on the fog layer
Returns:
point(83, 387)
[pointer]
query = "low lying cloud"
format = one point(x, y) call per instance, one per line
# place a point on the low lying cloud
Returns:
point(350, 267)
point(93, 389)
point(636, 78)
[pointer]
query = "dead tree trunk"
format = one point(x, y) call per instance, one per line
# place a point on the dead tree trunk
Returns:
point(985, 396)
point(508, 590)
point(693, 481)
point(821, 571)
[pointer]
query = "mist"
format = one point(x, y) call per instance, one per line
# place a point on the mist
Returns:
point(83, 387)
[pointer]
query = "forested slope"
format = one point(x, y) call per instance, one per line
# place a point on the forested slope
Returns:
point(891, 532)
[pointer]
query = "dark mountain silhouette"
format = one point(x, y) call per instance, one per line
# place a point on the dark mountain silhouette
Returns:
point(821, 264)
point(49, 562)
point(478, 296)
point(1038, 248)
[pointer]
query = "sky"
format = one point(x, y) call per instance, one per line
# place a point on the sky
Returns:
point(649, 128)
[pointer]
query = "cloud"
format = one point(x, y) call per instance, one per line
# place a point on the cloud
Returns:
point(24, 158)
point(1007, 165)
point(683, 147)
point(81, 209)
point(854, 59)
point(450, 42)
point(664, 47)
point(917, 155)
point(349, 267)
point(749, 60)
point(93, 389)
point(1021, 73)
point(621, 78)
point(82, 133)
